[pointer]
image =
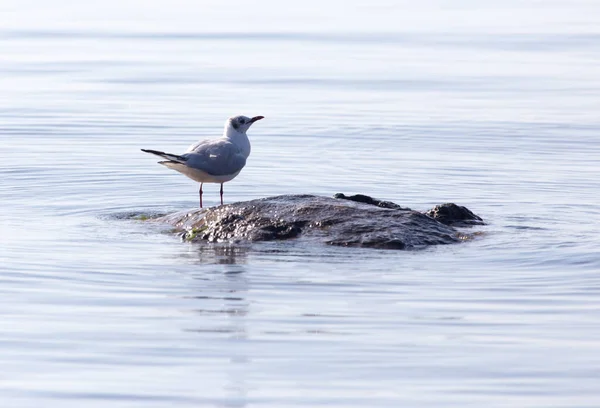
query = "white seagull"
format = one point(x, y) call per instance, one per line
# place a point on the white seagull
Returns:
point(214, 160)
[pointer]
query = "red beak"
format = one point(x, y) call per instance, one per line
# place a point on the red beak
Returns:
point(254, 119)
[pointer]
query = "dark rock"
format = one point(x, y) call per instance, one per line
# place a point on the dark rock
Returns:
point(351, 221)
point(361, 198)
point(454, 215)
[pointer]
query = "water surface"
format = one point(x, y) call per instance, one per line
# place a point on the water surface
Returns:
point(492, 106)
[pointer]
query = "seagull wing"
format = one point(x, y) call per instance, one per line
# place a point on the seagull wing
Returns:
point(198, 145)
point(217, 157)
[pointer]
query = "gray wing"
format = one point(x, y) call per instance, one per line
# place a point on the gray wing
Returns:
point(198, 145)
point(215, 157)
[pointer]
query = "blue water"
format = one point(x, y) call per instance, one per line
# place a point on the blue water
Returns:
point(490, 105)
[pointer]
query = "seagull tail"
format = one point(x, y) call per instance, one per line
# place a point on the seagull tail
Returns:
point(168, 156)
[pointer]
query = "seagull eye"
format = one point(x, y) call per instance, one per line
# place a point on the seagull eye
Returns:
point(242, 121)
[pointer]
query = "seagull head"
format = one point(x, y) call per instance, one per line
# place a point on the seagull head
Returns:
point(241, 123)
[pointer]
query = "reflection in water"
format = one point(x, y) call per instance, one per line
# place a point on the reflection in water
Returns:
point(223, 254)
point(237, 312)
point(222, 309)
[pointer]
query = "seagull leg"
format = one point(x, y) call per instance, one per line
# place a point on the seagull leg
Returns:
point(200, 195)
point(221, 193)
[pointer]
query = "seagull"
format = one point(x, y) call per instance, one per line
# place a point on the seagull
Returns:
point(214, 160)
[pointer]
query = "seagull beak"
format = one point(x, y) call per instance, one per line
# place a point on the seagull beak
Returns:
point(254, 119)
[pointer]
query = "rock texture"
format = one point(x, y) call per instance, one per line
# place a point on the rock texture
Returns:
point(454, 215)
point(356, 221)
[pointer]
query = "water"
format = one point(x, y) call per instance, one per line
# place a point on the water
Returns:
point(493, 106)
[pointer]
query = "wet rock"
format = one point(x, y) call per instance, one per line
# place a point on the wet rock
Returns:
point(361, 198)
point(454, 215)
point(355, 221)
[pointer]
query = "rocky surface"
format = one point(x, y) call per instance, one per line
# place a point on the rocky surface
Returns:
point(357, 221)
point(454, 215)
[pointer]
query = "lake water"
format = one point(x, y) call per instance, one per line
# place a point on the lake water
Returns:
point(492, 105)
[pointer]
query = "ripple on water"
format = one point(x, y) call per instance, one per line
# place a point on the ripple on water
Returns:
point(97, 305)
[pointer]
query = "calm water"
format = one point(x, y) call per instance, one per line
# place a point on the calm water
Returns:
point(493, 106)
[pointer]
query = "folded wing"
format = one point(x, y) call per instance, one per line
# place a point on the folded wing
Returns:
point(216, 157)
